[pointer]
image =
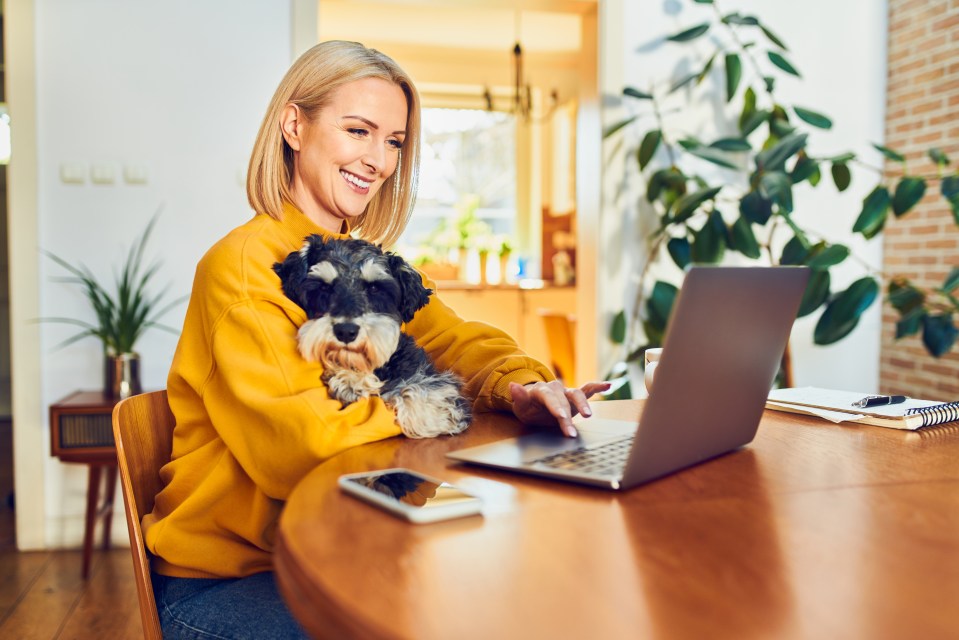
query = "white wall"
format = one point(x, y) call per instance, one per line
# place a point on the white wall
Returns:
point(839, 47)
point(176, 89)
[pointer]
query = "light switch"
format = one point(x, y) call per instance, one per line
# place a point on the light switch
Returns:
point(135, 174)
point(73, 173)
point(102, 173)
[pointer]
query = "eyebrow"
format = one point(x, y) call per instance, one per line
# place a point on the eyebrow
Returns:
point(371, 124)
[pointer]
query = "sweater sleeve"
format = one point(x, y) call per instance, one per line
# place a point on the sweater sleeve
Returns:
point(486, 358)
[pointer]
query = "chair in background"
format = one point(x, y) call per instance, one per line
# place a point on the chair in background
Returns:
point(143, 430)
point(560, 335)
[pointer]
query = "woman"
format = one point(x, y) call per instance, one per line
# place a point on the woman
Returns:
point(337, 153)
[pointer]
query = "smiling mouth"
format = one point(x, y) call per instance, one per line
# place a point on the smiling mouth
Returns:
point(358, 183)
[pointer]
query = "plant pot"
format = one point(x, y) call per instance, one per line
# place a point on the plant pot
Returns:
point(121, 375)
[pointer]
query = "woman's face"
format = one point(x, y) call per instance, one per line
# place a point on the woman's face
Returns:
point(343, 156)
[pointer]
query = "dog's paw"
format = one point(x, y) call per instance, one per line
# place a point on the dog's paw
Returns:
point(434, 409)
point(348, 386)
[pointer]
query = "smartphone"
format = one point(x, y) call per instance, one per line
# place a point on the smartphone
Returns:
point(411, 495)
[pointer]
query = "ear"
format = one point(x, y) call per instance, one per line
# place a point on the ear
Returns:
point(292, 272)
point(413, 295)
point(290, 121)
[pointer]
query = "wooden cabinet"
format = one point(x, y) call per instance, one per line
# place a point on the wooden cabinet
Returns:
point(514, 310)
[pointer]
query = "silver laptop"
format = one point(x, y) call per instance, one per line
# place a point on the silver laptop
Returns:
point(725, 339)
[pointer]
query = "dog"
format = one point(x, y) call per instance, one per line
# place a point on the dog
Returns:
point(356, 296)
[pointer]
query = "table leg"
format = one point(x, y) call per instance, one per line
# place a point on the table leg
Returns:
point(93, 497)
point(107, 509)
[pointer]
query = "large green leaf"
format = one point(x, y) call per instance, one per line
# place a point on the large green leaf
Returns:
point(794, 252)
point(781, 62)
point(951, 281)
point(773, 38)
point(776, 186)
point(660, 304)
point(617, 330)
point(689, 34)
point(937, 156)
point(688, 204)
point(648, 147)
point(732, 144)
point(950, 191)
point(814, 118)
point(679, 250)
point(752, 122)
point(909, 192)
point(841, 175)
point(828, 257)
point(904, 297)
point(741, 20)
point(669, 180)
point(895, 156)
point(910, 323)
point(636, 93)
point(816, 294)
point(755, 208)
point(939, 333)
point(712, 154)
point(734, 71)
point(804, 168)
point(774, 158)
point(843, 312)
point(875, 209)
point(743, 239)
point(709, 243)
point(616, 126)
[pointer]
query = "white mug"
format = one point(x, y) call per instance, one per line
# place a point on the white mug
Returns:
point(651, 360)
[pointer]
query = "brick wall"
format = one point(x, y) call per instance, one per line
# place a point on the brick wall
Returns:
point(922, 113)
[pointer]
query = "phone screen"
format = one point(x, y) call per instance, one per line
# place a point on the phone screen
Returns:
point(412, 489)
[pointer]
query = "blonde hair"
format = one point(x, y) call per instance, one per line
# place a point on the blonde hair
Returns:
point(309, 84)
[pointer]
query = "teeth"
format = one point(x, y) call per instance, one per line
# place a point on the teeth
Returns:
point(362, 184)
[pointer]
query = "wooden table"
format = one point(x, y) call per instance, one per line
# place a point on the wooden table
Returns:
point(814, 530)
point(81, 430)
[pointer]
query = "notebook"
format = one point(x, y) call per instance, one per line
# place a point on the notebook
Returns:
point(838, 406)
point(725, 339)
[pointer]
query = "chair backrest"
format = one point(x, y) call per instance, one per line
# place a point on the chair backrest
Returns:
point(560, 334)
point(143, 431)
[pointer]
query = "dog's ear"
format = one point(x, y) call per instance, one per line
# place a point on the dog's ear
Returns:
point(413, 295)
point(292, 272)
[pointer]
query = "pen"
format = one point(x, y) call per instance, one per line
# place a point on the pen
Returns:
point(875, 401)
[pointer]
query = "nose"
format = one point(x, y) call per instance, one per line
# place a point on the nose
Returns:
point(346, 332)
point(375, 157)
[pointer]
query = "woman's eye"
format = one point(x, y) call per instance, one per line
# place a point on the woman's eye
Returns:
point(396, 144)
point(358, 132)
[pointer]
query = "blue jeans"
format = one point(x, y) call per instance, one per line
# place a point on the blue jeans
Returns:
point(234, 609)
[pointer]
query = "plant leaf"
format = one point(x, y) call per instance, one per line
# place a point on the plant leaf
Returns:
point(682, 82)
point(895, 156)
point(875, 208)
point(816, 294)
point(828, 257)
point(904, 297)
point(689, 34)
point(776, 186)
point(774, 158)
point(950, 191)
point(739, 19)
point(910, 323)
point(616, 126)
point(648, 147)
point(909, 192)
point(709, 243)
point(841, 176)
point(843, 312)
point(679, 250)
point(939, 333)
point(743, 239)
point(755, 208)
point(688, 204)
point(781, 62)
point(773, 38)
point(660, 305)
point(804, 168)
point(794, 252)
point(937, 156)
point(617, 331)
point(814, 118)
point(713, 155)
point(734, 72)
point(732, 144)
point(951, 281)
point(636, 93)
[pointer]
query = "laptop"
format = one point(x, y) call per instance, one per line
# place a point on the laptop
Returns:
point(724, 342)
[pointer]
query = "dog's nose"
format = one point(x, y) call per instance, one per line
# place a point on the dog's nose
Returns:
point(346, 332)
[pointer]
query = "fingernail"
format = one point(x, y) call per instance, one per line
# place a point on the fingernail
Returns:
point(572, 432)
point(587, 411)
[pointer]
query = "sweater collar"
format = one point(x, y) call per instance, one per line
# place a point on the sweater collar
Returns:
point(298, 226)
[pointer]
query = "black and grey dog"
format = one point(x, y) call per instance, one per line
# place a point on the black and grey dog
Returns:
point(356, 296)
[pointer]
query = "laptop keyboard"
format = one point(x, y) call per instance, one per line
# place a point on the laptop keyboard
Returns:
point(604, 460)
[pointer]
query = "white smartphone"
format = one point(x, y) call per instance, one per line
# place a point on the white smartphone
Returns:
point(411, 495)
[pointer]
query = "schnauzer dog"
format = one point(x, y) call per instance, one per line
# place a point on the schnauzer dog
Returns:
point(356, 296)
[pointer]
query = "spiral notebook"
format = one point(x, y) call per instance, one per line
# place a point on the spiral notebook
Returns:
point(838, 406)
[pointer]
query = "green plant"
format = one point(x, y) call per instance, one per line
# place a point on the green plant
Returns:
point(124, 314)
point(763, 156)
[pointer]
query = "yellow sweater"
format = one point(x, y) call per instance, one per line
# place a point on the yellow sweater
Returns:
point(252, 417)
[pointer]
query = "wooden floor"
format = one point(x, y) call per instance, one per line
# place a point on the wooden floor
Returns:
point(43, 597)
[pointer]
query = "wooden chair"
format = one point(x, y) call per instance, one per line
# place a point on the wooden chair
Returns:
point(143, 431)
point(560, 334)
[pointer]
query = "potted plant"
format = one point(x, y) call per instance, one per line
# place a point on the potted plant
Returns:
point(121, 315)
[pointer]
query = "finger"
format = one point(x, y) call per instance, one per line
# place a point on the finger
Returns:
point(592, 388)
point(577, 400)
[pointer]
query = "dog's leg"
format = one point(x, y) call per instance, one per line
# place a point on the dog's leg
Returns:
point(348, 386)
point(431, 406)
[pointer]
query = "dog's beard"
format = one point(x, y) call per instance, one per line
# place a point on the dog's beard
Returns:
point(373, 346)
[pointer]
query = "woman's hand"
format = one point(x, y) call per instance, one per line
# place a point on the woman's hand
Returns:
point(548, 403)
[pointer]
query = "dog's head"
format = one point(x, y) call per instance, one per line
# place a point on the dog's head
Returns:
point(355, 297)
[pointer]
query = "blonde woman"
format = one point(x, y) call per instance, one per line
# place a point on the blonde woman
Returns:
point(337, 154)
